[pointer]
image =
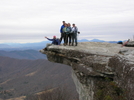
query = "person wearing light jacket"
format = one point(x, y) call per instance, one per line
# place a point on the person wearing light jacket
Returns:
point(74, 34)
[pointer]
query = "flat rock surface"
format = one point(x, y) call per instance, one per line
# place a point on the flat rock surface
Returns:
point(98, 48)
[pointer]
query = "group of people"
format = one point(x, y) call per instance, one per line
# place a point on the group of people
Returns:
point(68, 35)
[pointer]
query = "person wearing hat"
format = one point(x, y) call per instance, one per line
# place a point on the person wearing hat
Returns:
point(55, 41)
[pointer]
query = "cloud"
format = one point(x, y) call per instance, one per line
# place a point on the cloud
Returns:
point(37, 18)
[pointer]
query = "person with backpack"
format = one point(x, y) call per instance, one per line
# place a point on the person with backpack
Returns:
point(55, 41)
point(67, 34)
point(62, 33)
point(74, 34)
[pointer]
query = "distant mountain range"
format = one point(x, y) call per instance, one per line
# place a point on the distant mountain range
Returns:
point(31, 50)
point(23, 46)
point(38, 45)
point(96, 40)
point(23, 54)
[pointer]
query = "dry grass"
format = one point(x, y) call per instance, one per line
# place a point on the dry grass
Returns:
point(17, 98)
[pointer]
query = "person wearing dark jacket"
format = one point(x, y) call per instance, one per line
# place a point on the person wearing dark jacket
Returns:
point(54, 40)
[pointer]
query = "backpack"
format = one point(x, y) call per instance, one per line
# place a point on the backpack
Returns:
point(64, 30)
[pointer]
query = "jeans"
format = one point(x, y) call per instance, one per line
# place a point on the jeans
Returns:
point(74, 38)
point(62, 37)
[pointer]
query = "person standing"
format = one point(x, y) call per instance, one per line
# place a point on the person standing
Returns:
point(68, 34)
point(74, 34)
point(62, 33)
point(64, 30)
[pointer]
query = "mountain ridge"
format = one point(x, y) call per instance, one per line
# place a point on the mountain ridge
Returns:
point(23, 54)
point(39, 45)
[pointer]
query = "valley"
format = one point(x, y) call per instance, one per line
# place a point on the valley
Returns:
point(23, 77)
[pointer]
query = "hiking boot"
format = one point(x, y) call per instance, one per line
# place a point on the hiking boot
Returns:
point(45, 49)
point(72, 44)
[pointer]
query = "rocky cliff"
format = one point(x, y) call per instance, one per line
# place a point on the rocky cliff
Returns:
point(101, 71)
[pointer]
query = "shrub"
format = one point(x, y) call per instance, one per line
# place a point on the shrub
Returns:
point(59, 93)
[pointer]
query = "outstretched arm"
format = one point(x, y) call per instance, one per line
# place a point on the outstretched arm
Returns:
point(49, 39)
point(125, 42)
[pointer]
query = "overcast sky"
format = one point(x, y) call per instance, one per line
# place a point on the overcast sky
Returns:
point(31, 20)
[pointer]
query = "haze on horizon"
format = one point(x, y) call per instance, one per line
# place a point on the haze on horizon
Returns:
point(30, 20)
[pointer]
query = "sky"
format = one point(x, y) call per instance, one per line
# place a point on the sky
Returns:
point(23, 21)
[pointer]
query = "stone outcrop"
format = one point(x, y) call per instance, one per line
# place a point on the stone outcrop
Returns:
point(130, 44)
point(101, 71)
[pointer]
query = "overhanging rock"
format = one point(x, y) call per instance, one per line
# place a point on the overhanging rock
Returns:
point(92, 62)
